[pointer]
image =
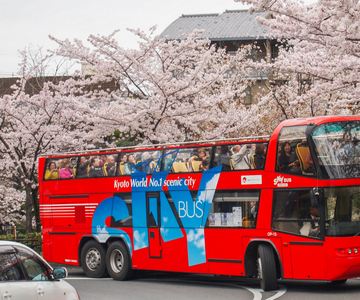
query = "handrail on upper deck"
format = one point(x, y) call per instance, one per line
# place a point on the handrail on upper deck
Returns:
point(176, 144)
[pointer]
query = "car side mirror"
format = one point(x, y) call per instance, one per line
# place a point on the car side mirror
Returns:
point(60, 273)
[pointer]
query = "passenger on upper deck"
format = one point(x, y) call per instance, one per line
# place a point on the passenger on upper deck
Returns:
point(102, 159)
point(82, 170)
point(65, 171)
point(130, 163)
point(241, 157)
point(287, 160)
point(146, 159)
point(110, 166)
point(259, 157)
point(95, 169)
point(52, 172)
point(224, 158)
point(205, 164)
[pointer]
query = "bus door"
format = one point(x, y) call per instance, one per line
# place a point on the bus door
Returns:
point(153, 223)
point(303, 249)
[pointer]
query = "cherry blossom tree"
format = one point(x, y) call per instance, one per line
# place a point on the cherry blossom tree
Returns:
point(53, 119)
point(167, 90)
point(11, 200)
point(318, 69)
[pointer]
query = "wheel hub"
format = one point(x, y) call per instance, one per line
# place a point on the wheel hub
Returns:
point(116, 261)
point(93, 259)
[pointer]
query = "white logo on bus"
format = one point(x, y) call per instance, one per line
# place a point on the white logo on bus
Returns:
point(281, 181)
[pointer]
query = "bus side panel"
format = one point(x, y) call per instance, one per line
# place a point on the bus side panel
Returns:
point(70, 219)
point(224, 251)
point(308, 260)
point(64, 247)
point(45, 217)
point(173, 257)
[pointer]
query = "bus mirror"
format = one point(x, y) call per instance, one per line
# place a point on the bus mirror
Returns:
point(316, 196)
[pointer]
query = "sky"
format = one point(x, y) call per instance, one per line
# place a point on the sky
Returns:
point(28, 23)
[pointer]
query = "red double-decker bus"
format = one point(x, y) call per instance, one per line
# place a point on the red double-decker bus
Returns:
point(284, 206)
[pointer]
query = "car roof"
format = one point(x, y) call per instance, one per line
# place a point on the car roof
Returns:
point(11, 243)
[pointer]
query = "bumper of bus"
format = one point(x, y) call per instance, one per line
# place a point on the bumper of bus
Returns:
point(343, 262)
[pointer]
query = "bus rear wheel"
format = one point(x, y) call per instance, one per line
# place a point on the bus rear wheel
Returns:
point(93, 259)
point(118, 261)
point(266, 267)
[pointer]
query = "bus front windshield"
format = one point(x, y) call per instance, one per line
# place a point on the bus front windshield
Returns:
point(342, 209)
point(337, 146)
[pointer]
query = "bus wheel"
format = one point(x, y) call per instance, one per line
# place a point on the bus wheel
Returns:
point(93, 259)
point(118, 261)
point(266, 267)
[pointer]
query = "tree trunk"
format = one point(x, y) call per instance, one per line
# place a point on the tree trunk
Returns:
point(28, 207)
point(35, 201)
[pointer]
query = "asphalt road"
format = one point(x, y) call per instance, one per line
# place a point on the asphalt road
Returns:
point(161, 285)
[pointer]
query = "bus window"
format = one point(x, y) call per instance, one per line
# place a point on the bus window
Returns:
point(234, 209)
point(60, 168)
point(293, 213)
point(342, 212)
point(194, 159)
point(96, 166)
point(293, 155)
point(338, 149)
point(140, 161)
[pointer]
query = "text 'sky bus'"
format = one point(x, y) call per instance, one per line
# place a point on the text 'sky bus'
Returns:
point(287, 206)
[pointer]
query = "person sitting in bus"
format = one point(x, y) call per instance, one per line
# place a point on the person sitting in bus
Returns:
point(355, 151)
point(253, 211)
point(259, 157)
point(102, 159)
point(109, 166)
point(82, 170)
point(95, 168)
point(205, 164)
point(199, 155)
point(224, 158)
point(147, 159)
point(288, 160)
point(123, 158)
point(241, 156)
point(311, 228)
point(52, 172)
point(128, 166)
point(65, 171)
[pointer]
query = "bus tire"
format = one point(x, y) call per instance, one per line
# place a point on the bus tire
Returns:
point(92, 259)
point(118, 261)
point(266, 267)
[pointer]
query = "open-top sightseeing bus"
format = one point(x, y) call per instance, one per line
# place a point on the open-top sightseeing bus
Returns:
point(284, 206)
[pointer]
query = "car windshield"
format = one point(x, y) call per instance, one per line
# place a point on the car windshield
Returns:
point(337, 146)
point(342, 211)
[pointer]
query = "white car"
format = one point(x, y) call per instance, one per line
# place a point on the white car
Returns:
point(26, 275)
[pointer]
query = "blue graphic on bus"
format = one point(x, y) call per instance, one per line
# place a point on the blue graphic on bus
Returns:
point(192, 212)
point(117, 209)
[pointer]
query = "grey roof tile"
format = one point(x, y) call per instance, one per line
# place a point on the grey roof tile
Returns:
point(230, 25)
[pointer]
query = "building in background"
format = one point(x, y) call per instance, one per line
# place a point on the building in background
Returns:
point(231, 30)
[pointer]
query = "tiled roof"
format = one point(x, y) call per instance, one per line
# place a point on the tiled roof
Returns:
point(230, 25)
